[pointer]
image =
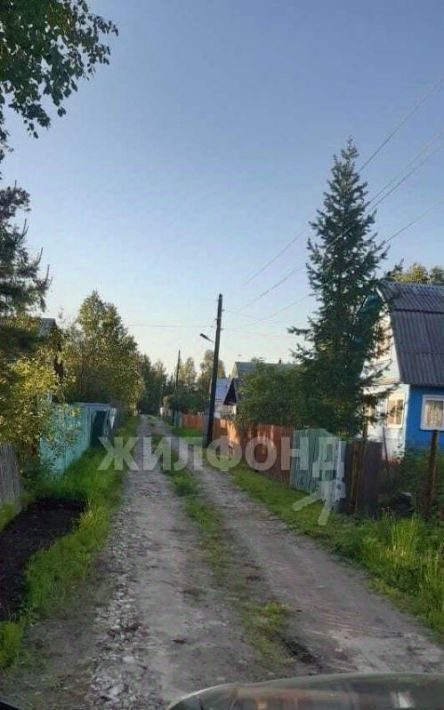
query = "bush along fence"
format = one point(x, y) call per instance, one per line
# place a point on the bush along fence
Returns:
point(74, 429)
point(344, 475)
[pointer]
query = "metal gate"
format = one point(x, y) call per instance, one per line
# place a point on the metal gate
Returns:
point(318, 464)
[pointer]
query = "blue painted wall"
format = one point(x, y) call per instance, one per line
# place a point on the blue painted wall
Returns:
point(415, 436)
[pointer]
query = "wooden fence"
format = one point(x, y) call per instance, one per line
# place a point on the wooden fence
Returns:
point(10, 484)
point(193, 421)
point(347, 474)
point(279, 436)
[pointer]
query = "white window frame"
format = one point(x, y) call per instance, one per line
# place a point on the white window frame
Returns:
point(427, 398)
point(400, 395)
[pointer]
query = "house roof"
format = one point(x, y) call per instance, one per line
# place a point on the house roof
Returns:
point(46, 326)
point(417, 319)
point(222, 385)
point(242, 369)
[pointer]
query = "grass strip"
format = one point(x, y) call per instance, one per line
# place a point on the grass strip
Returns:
point(53, 573)
point(264, 622)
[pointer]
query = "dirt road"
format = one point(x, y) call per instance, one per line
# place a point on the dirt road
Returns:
point(154, 621)
point(343, 624)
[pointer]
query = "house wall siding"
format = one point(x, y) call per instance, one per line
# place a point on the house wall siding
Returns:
point(415, 436)
point(393, 438)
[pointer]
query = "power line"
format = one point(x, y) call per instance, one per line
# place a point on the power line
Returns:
point(416, 219)
point(403, 120)
point(166, 325)
point(404, 178)
point(284, 308)
point(384, 197)
point(271, 261)
point(252, 318)
point(379, 148)
point(266, 334)
point(274, 286)
point(412, 162)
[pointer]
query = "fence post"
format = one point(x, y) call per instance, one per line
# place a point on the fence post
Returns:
point(430, 484)
point(358, 447)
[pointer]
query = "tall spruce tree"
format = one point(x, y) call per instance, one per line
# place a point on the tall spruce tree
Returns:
point(345, 332)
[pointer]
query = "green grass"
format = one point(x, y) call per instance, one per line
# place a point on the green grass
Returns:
point(409, 473)
point(53, 573)
point(404, 556)
point(265, 625)
point(8, 511)
point(186, 486)
point(11, 634)
point(186, 432)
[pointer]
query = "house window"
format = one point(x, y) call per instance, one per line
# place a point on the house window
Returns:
point(432, 412)
point(395, 410)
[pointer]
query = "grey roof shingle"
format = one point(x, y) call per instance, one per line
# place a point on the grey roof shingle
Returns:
point(417, 318)
point(222, 385)
point(243, 369)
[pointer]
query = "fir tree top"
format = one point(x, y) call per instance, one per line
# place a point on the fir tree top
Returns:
point(342, 271)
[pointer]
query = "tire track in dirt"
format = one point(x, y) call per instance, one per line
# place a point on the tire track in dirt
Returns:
point(334, 615)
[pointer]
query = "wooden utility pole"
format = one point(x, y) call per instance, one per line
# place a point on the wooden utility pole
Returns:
point(209, 436)
point(429, 493)
point(176, 382)
point(176, 387)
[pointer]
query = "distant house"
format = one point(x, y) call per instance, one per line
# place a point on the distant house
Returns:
point(46, 327)
point(414, 375)
point(222, 409)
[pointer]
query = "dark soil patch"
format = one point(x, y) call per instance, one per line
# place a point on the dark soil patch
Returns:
point(35, 528)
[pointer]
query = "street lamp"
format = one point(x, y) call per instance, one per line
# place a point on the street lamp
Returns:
point(205, 337)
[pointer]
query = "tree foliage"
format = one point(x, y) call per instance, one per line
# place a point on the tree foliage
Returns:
point(155, 385)
point(187, 397)
point(46, 47)
point(417, 273)
point(22, 288)
point(27, 374)
point(342, 271)
point(27, 388)
point(101, 358)
point(193, 390)
point(206, 371)
point(272, 394)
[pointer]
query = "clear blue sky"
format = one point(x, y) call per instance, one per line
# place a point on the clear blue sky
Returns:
point(206, 144)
